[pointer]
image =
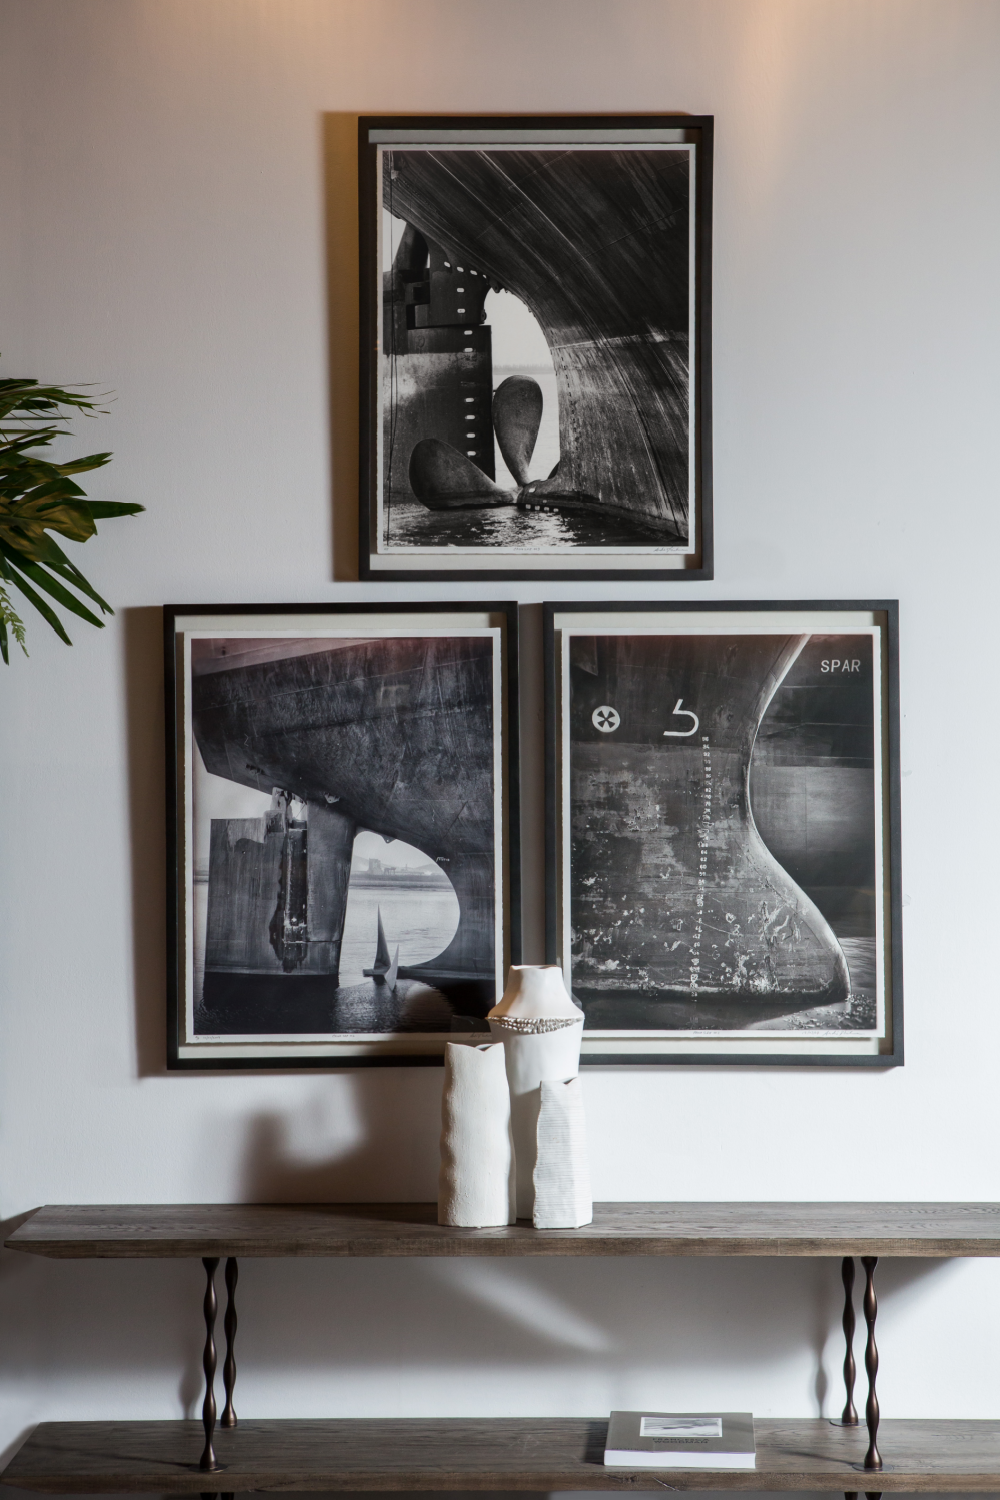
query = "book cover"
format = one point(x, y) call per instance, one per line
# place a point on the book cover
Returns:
point(680, 1440)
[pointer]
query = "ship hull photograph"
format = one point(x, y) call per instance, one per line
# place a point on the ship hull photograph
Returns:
point(725, 840)
point(539, 296)
point(343, 829)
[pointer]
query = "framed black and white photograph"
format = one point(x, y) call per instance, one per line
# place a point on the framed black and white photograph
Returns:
point(536, 347)
point(722, 796)
point(343, 829)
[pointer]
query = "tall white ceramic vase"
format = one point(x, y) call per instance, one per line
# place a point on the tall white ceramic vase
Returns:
point(562, 1169)
point(541, 1030)
point(475, 1186)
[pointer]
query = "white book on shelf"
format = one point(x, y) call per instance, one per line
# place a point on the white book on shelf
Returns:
point(680, 1440)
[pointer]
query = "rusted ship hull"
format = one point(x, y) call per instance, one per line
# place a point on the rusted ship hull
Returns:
point(395, 736)
point(681, 915)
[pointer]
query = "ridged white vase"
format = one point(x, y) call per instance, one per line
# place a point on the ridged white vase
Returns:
point(475, 1184)
point(562, 1169)
point(541, 1030)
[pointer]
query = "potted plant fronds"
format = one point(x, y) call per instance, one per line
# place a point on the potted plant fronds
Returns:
point(37, 498)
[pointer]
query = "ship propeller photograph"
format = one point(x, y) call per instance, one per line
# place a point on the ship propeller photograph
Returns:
point(541, 300)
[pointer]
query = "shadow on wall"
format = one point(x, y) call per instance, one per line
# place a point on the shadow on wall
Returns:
point(372, 1135)
point(340, 181)
point(143, 650)
point(72, 1325)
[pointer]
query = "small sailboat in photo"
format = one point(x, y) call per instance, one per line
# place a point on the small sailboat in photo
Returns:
point(382, 965)
point(392, 973)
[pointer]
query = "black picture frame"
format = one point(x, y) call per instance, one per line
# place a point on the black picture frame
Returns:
point(410, 702)
point(676, 674)
point(655, 414)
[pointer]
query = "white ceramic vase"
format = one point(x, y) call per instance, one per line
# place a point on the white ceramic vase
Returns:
point(562, 1170)
point(475, 1184)
point(541, 1030)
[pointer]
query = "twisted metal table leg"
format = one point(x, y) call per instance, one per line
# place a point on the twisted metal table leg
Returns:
point(228, 1418)
point(873, 1459)
point(209, 1462)
point(849, 1417)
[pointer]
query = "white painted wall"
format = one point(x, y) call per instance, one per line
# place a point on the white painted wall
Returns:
point(178, 225)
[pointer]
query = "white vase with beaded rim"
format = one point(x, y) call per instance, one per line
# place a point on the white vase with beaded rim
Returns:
point(541, 1030)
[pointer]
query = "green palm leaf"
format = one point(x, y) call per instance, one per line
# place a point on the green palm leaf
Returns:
point(72, 574)
point(10, 617)
point(38, 498)
point(55, 590)
point(39, 603)
point(100, 510)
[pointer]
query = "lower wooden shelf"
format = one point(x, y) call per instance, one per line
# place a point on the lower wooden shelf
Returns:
point(487, 1454)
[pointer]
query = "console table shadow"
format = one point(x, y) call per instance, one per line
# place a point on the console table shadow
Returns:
point(220, 1455)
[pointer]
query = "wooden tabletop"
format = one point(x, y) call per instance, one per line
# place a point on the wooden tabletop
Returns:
point(482, 1454)
point(388, 1229)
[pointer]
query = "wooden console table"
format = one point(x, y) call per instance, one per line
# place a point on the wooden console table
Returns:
point(499, 1454)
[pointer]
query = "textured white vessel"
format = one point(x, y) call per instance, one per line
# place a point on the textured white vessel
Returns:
point(475, 1185)
point(562, 1169)
point(541, 1030)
